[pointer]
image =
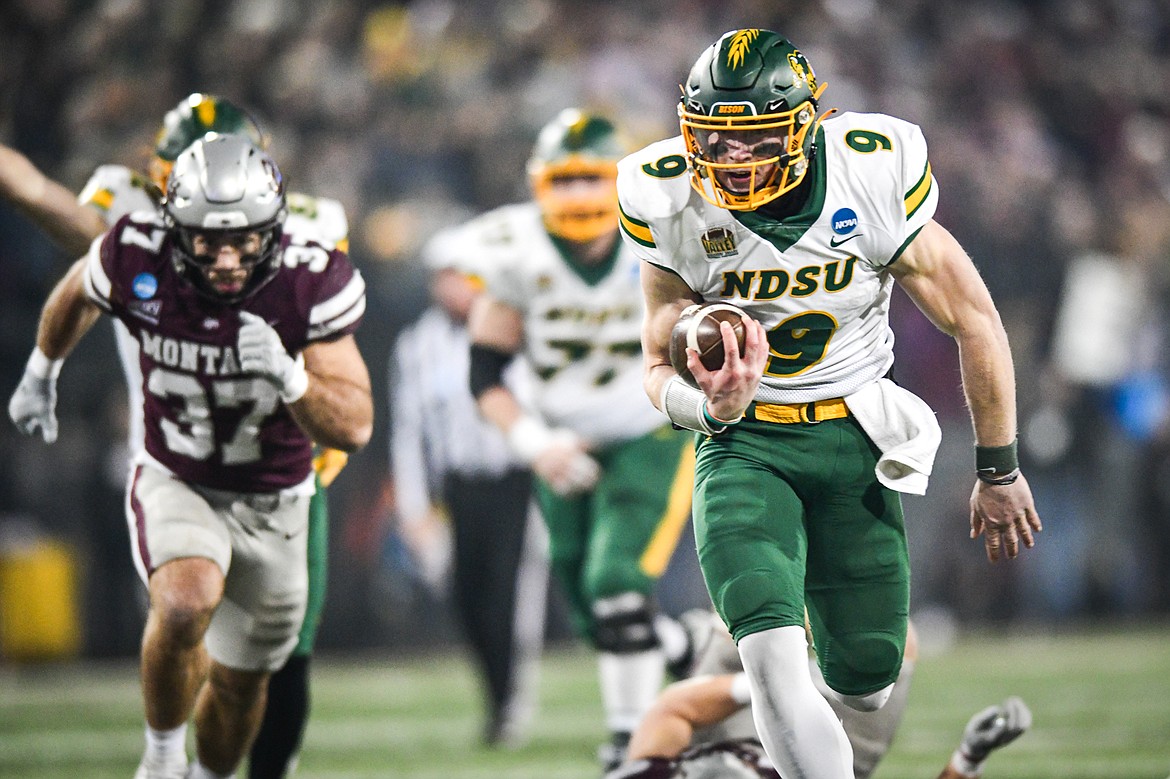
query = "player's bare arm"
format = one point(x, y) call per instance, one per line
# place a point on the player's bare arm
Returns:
point(731, 388)
point(557, 456)
point(669, 727)
point(68, 314)
point(499, 327)
point(49, 204)
point(666, 295)
point(337, 409)
point(943, 282)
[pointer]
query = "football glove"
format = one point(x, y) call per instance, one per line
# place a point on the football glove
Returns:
point(994, 727)
point(262, 352)
point(34, 403)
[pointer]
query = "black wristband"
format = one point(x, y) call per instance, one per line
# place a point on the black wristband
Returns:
point(996, 460)
point(998, 480)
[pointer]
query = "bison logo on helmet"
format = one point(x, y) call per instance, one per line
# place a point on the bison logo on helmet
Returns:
point(802, 71)
point(738, 48)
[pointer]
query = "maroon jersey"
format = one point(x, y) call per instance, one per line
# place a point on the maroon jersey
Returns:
point(206, 421)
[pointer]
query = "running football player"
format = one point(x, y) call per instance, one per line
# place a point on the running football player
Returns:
point(73, 223)
point(246, 355)
point(805, 444)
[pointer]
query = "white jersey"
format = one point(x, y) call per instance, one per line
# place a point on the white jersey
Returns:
point(582, 325)
point(116, 190)
point(818, 281)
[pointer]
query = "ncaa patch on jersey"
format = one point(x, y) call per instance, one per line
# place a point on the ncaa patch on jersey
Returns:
point(145, 285)
point(844, 221)
point(719, 242)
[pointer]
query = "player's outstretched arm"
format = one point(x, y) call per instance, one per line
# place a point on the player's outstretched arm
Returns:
point(943, 282)
point(683, 707)
point(67, 315)
point(991, 729)
point(49, 204)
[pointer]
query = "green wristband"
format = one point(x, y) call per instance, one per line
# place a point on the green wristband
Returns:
point(997, 460)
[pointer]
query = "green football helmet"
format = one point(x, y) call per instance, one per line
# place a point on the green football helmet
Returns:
point(748, 115)
point(577, 144)
point(194, 117)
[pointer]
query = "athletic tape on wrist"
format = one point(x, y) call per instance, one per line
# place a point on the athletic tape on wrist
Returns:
point(528, 437)
point(40, 366)
point(686, 406)
point(296, 383)
point(741, 691)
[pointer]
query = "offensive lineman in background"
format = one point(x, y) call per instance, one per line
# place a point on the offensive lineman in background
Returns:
point(614, 479)
point(73, 223)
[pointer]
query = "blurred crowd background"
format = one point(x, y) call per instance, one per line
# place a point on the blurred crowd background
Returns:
point(1049, 132)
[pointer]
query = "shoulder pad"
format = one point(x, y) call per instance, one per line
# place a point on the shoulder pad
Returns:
point(319, 219)
point(655, 182)
point(116, 190)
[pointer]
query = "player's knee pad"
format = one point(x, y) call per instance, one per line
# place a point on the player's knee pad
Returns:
point(861, 668)
point(624, 623)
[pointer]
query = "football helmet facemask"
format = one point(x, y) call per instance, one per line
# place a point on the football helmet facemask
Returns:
point(749, 115)
point(194, 117)
point(577, 145)
point(225, 190)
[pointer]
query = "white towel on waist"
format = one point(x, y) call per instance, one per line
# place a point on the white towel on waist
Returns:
point(904, 428)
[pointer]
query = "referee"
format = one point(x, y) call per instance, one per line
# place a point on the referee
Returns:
point(450, 464)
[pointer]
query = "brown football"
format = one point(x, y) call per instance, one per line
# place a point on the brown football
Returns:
point(698, 327)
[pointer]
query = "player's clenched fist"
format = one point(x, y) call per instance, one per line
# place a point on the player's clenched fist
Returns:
point(34, 403)
point(261, 352)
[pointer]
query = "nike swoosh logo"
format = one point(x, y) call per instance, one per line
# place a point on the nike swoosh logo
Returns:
point(835, 243)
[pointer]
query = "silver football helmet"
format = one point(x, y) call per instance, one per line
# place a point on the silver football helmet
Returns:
point(724, 760)
point(225, 188)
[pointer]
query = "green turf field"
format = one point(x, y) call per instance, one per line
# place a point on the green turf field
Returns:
point(1101, 701)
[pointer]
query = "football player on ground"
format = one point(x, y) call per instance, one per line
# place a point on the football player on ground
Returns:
point(74, 222)
point(614, 480)
point(247, 355)
point(804, 444)
point(702, 726)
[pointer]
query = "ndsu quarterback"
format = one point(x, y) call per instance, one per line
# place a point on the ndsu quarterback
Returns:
point(805, 223)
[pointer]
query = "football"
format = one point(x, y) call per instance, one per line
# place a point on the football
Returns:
point(698, 328)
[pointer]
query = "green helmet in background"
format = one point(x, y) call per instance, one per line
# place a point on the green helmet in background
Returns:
point(577, 145)
point(754, 88)
point(194, 117)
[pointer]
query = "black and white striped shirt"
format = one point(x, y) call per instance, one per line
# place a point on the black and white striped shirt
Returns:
point(435, 426)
